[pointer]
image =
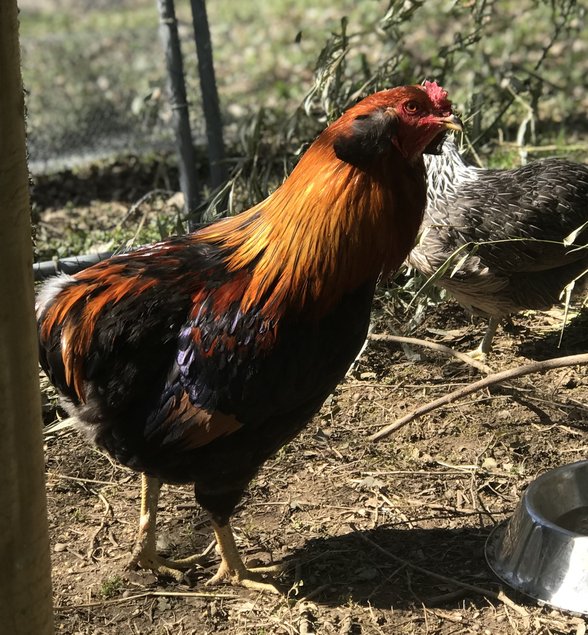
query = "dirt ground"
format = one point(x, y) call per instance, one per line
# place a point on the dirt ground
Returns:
point(380, 538)
point(366, 528)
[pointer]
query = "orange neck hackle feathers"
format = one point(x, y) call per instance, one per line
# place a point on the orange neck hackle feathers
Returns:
point(333, 225)
point(328, 228)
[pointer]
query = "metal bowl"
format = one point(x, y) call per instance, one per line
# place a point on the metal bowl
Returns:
point(542, 551)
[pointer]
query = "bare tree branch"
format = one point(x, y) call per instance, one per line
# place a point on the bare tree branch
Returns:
point(441, 348)
point(491, 380)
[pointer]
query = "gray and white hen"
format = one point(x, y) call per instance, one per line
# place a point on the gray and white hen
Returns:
point(512, 224)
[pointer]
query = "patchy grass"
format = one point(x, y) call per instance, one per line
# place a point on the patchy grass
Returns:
point(111, 587)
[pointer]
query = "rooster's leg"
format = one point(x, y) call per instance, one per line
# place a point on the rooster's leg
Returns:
point(145, 551)
point(233, 570)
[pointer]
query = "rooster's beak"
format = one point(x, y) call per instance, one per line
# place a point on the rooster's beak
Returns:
point(451, 123)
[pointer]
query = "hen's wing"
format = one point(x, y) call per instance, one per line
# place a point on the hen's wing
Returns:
point(535, 207)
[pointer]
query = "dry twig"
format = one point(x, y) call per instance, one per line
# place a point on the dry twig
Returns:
point(440, 348)
point(76, 479)
point(491, 380)
point(148, 594)
point(103, 523)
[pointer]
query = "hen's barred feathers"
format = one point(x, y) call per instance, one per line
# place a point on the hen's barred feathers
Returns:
point(197, 358)
point(515, 224)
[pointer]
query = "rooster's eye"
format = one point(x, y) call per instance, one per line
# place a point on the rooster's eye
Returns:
point(411, 107)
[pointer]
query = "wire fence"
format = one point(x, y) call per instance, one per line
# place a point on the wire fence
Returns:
point(99, 92)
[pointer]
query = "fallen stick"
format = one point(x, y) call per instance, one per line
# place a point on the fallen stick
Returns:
point(441, 348)
point(491, 380)
point(147, 594)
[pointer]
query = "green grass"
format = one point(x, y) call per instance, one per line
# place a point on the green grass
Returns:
point(100, 228)
point(111, 587)
point(34, 24)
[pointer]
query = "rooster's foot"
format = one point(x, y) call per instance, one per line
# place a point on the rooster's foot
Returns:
point(232, 570)
point(249, 578)
point(144, 557)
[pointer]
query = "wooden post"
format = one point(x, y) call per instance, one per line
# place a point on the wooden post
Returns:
point(25, 581)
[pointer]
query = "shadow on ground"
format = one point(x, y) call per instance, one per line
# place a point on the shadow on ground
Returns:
point(125, 181)
point(573, 341)
point(339, 569)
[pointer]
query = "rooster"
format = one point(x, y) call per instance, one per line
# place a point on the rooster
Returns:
point(195, 359)
point(513, 239)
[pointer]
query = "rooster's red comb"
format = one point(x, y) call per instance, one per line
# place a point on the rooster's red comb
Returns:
point(438, 95)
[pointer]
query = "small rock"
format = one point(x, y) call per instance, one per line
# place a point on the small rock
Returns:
point(59, 547)
point(148, 578)
point(489, 463)
point(164, 544)
point(177, 200)
point(367, 573)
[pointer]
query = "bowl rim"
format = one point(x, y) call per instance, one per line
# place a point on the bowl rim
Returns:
point(538, 516)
